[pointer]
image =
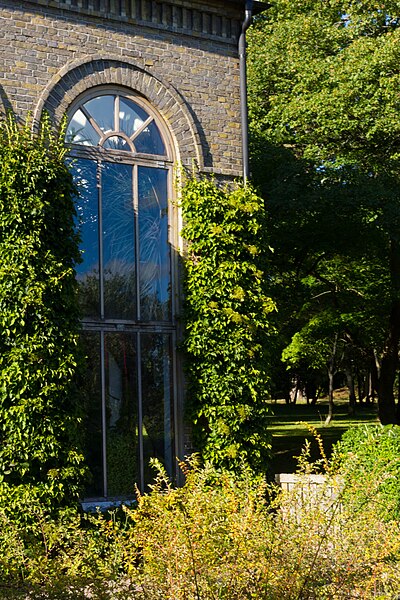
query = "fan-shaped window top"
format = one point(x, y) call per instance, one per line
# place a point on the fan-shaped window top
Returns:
point(116, 123)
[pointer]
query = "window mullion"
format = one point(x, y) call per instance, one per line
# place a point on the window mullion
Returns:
point(141, 128)
point(140, 410)
point(175, 413)
point(137, 241)
point(102, 333)
point(92, 121)
point(103, 412)
point(116, 114)
point(101, 261)
point(138, 315)
point(173, 244)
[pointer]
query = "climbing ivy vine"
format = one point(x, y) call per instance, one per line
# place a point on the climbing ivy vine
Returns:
point(227, 318)
point(39, 415)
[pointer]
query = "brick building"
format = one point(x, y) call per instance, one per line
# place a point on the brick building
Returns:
point(146, 85)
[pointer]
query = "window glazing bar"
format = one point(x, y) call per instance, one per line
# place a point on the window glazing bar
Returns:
point(101, 274)
point(103, 412)
point(116, 112)
point(175, 423)
point(137, 248)
point(168, 429)
point(135, 196)
point(140, 410)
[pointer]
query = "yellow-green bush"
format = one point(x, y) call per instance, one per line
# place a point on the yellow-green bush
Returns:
point(219, 537)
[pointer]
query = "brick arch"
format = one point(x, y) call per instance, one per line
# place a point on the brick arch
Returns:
point(80, 76)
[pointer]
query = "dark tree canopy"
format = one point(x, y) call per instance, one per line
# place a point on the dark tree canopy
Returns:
point(324, 107)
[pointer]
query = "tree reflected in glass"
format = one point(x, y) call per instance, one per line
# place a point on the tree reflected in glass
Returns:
point(155, 285)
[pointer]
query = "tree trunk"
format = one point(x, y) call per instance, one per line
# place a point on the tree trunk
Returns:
point(360, 392)
point(398, 399)
point(386, 401)
point(311, 392)
point(398, 388)
point(331, 373)
point(373, 377)
point(294, 391)
point(369, 388)
point(352, 391)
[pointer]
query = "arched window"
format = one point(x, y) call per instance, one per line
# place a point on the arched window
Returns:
point(122, 164)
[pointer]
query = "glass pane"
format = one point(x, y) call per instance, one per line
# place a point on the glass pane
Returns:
point(131, 117)
point(157, 404)
point(80, 131)
point(117, 143)
point(154, 274)
point(102, 111)
point(91, 400)
point(150, 141)
point(84, 172)
point(118, 242)
point(121, 413)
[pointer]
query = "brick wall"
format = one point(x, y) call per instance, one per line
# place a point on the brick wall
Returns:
point(180, 55)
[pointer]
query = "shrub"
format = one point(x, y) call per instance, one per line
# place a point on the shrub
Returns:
point(221, 536)
point(39, 415)
point(63, 555)
point(227, 318)
point(232, 537)
point(369, 456)
point(202, 540)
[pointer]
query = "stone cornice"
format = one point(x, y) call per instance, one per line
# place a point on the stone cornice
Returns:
point(190, 17)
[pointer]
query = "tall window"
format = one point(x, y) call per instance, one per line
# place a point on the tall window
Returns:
point(122, 165)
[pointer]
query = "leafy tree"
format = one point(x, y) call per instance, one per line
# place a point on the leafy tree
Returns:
point(319, 346)
point(39, 416)
point(227, 323)
point(324, 107)
point(335, 323)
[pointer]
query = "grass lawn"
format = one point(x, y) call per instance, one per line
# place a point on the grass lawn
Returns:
point(289, 432)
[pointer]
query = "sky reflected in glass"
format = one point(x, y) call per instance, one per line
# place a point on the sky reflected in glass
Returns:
point(102, 111)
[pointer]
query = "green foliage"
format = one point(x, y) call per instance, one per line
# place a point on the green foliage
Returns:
point(213, 540)
point(39, 453)
point(324, 78)
point(324, 105)
point(221, 536)
point(313, 343)
point(227, 322)
point(63, 555)
point(372, 454)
